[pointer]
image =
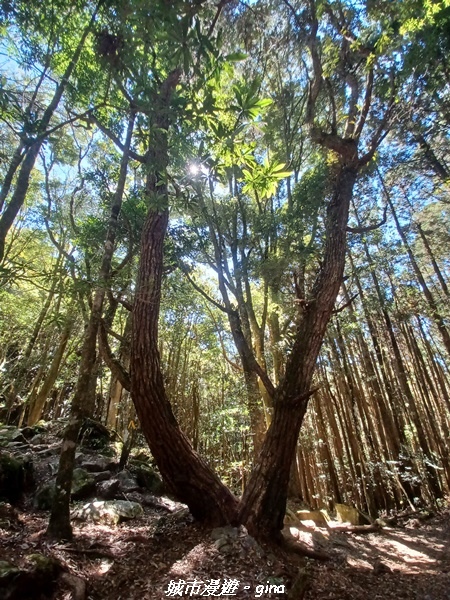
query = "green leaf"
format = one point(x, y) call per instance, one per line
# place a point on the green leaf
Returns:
point(236, 57)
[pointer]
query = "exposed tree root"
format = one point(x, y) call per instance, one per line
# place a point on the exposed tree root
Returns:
point(356, 528)
point(290, 543)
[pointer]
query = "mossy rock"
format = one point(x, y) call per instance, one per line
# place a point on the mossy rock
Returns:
point(31, 583)
point(349, 514)
point(146, 477)
point(43, 500)
point(83, 484)
point(110, 512)
point(8, 573)
point(8, 434)
point(12, 478)
point(318, 517)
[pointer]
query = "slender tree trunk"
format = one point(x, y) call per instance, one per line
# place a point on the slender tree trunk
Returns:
point(13, 166)
point(437, 317)
point(38, 405)
point(82, 406)
point(28, 161)
point(433, 260)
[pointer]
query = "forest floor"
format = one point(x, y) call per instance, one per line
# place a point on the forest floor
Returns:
point(138, 559)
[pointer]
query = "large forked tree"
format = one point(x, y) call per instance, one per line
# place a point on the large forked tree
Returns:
point(355, 124)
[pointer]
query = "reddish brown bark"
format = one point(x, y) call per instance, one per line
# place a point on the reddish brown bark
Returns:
point(264, 502)
point(183, 470)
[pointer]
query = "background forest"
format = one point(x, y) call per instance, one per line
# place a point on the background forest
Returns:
point(242, 125)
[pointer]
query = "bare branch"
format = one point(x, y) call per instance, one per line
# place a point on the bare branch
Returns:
point(366, 106)
point(369, 227)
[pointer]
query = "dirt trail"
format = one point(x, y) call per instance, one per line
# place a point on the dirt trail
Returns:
point(137, 560)
point(412, 562)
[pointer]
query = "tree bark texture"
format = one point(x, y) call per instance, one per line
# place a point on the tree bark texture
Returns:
point(183, 470)
point(264, 502)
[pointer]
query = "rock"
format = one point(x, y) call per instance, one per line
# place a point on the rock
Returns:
point(231, 540)
point(318, 517)
point(348, 514)
point(108, 490)
point(37, 439)
point(225, 532)
point(100, 464)
point(101, 476)
point(12, 478)
point(83, 484)
point(10, 434)
point(8, 577)
point(147, 477)
point(379, 568)
point(9, 517)
point(32, 583)
point(109, 512)
point(31, 432)
point(141, 456)
point(43, 499)
point(127, 482)
point(49, 451)
point(18, 437)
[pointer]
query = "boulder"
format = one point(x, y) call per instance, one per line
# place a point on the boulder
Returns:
point(9, 518)
point(10, 434)
point(101, 463)
point(318, 517)
point(32, 583)
point(107, 490)
point(43, 499)
point(127, 482)
point(349, 514)
point(147, 477)
point(101, 476)
point(232, 540)
point(37, 439)
point(109, 512)
point(12, 478)
point(83, 484)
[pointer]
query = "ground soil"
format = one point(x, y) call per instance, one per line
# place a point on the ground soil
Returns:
point(136, 560)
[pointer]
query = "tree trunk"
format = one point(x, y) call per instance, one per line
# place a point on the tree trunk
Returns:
point(264, 502)
point(38, 405)
point(185, 473)
point(28, 161)
point(59, 526)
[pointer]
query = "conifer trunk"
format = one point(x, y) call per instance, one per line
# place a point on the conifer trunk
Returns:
point(263, 505)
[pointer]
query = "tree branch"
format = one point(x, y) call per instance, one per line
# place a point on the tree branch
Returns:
point(114, 365)
point(369, 227)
